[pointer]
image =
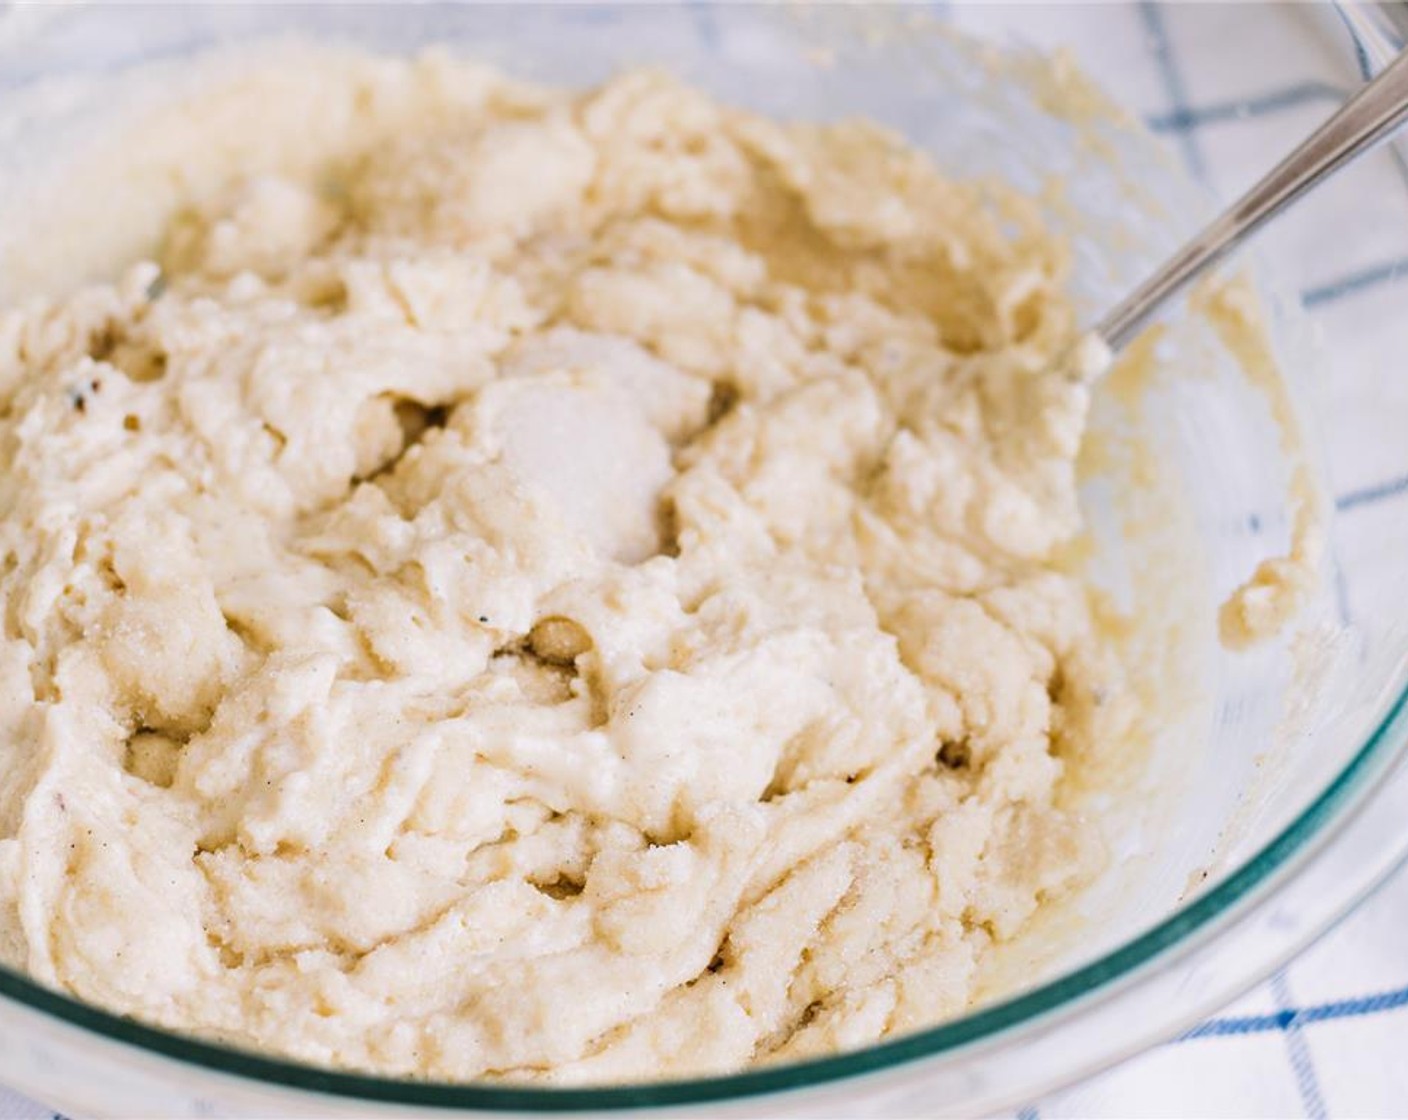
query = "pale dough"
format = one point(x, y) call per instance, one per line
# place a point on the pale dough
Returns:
point(568, 593)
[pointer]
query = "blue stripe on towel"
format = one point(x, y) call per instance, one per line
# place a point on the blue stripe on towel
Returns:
point(1153, 17)
point(1245, 108)
point(1354, 282)
point(1302, 1064)
point(1377, 1003)
point(1368, 495)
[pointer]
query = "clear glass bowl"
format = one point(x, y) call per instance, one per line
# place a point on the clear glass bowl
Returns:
point(1271, 798)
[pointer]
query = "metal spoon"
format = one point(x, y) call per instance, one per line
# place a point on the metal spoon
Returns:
point(1370, 116)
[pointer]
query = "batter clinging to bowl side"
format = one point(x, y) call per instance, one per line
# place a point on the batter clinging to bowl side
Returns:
point(573, 598)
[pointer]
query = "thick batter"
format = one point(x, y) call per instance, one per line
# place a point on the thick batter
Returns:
point(569, 594)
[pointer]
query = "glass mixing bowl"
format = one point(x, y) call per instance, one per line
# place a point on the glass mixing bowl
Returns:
point(1270, 799)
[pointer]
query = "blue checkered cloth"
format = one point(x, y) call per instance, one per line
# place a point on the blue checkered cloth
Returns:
point(1327, 1035)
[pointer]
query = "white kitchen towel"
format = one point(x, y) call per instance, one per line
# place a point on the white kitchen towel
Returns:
point(1231, 89)
point(1327, 1036)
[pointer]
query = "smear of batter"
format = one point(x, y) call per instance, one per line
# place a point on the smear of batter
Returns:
point(565, 594)
point(1281, 586)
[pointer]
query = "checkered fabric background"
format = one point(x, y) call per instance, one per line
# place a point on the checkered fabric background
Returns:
point(1328, 1035)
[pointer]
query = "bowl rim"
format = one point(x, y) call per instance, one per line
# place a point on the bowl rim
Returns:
point(1005, 1020)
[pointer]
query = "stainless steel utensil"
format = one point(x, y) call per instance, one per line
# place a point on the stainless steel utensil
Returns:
point(1372, 115)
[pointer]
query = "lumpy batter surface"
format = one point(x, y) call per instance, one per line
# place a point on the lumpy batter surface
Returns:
point(567, 593)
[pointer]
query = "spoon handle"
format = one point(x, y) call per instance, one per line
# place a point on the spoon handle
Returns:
point(1368, 117)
